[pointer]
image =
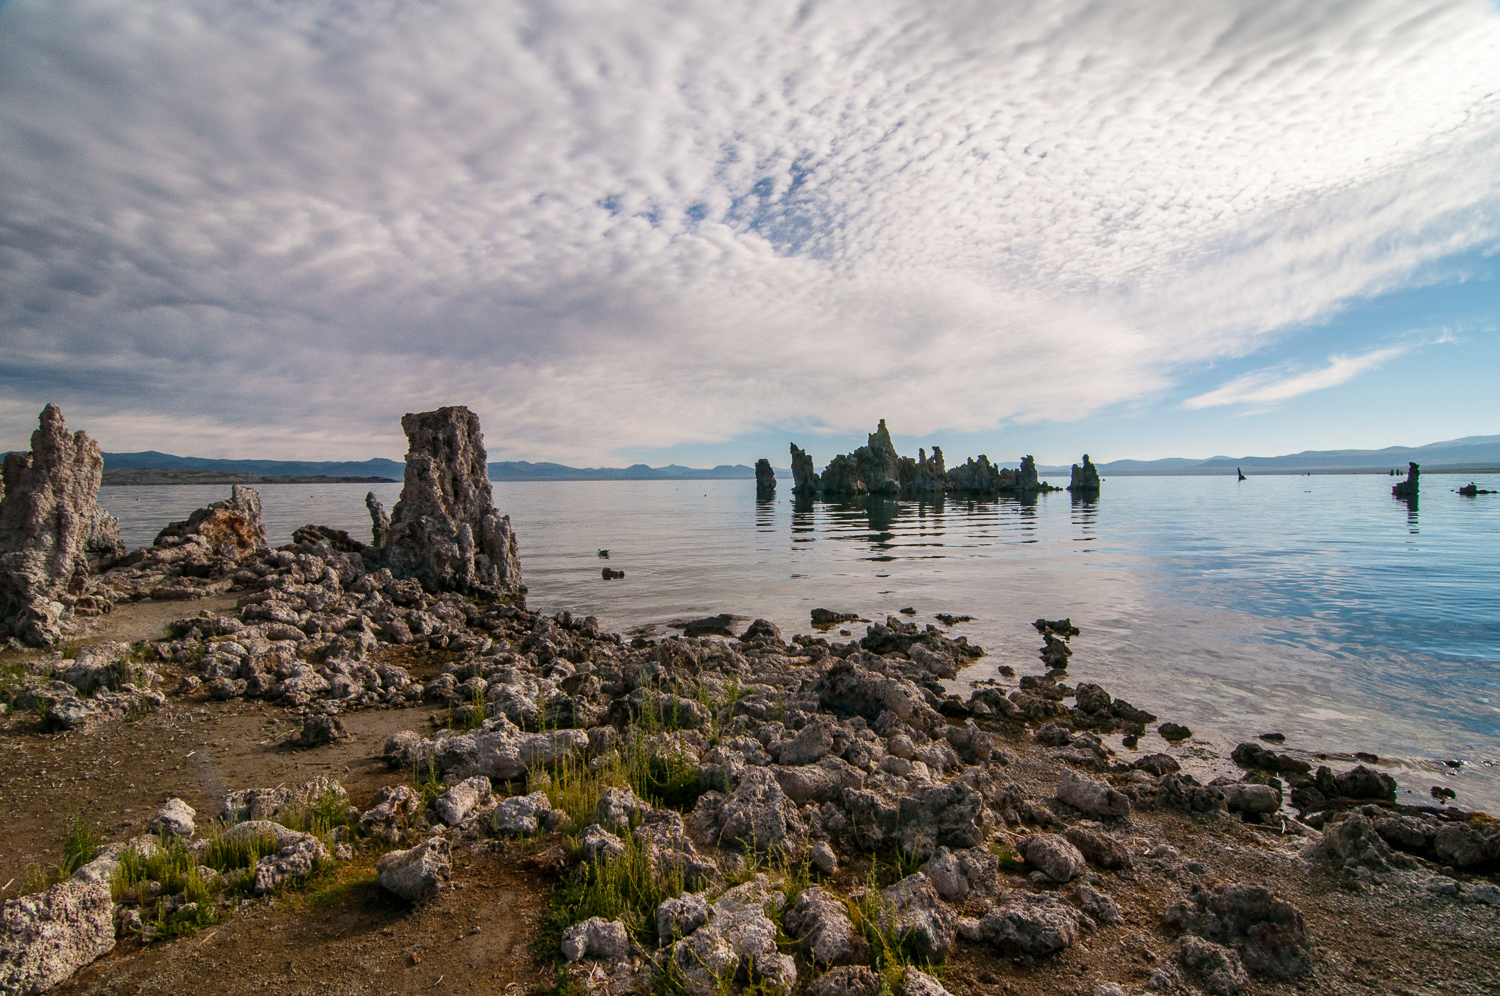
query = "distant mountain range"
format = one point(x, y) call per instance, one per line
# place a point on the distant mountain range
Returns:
point(1471, 453)
point(507, 470)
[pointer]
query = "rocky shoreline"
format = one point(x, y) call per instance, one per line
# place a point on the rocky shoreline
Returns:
point(370, 767)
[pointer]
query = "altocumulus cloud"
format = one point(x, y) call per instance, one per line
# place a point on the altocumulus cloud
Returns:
point(267, 227)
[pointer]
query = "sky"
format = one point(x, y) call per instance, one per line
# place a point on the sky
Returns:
point(692, 232)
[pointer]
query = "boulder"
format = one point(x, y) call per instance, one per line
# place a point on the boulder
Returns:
point(1053, 856)
point(1098, 847)
point(913, 909)
point(821, 924)
point(417, 874)
point(741, 944)
point(1220, 968)
point(1268, 933)
point(1035, 924)
point(321, 729)
point(1353, 842)
point(956, 874)
point(757, 815)
point(823, 858)
point(679, 916)
point(174, 818)
point(231, 528)
point(598, 844)
point(297, 854)
point(765, 480)
point(1467, 844)
point(396, 806)
point(849, 980)
point(1099, 906)
point(445, 531)
point(850, 690)
point(916, 983)
point(47, 516)
point(46, 937)
point(1092, 797)
point(524, 815)
point(596, 938)
point(462, 799)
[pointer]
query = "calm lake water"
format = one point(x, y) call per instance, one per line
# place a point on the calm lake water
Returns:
point(1318, 607)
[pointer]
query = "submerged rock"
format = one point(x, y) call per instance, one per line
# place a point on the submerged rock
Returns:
point(445, 531)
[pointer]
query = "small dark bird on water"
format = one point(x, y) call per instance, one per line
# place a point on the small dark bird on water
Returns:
point(1240, 472)
point(603, 554)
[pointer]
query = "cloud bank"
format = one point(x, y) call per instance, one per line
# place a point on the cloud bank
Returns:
point(269, 228)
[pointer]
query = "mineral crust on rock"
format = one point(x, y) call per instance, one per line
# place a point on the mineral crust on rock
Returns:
point(445, 531)
point(232, 528)
point(46, 937)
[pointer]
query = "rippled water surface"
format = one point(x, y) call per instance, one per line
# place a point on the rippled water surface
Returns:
point(1319, 607)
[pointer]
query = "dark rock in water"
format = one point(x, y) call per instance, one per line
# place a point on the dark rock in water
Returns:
point(948, 619)
point(1366, 757)
point(827, 617)
point(233, 527)
point(610, 575)
point(1442, 793)
point(765, 480)
point(47, 519)
point(1174, 732)
point(908, 611)
point(1472, 490)
point(1409, 487)
point(1085, 478)
point(805, 481)
point(1055, 652)
point(445, 531)
point(1248, 755)
point(762, 630)
point(1274, 738)
point(335, 538)
point(719, 625)
point(1057, 627)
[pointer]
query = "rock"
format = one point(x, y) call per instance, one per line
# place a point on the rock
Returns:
point(596, 938)
point(955, 874)
point(762, 631)
point(828, 617)
point(47, 516)
point(757, 815)
point(611, 575)
point(297, 854)
point(1468, 844)
point(1182, 791)
point(1357, 783)
point(1409, 487)
point(819, 921)
point(848, 689)
point(395, 808)
point(1254, 756)
point(1100, 907)
point(812, 743)
point(1085, 479)
point(46, 937)
point(462, 799)
point(912, 908)
point(1174, 732)
point(850, 980)
point(417, 874)
point(1220, 968)
point(823, 858)
point(1089, 796)
point(805, 483)
point(680, 916)
point(524, 815)
point(174, 818)
point(321, 729)
point(104, 543)
point(232, 528)
point(598, 844)
point(1251, 798)
point(915, 983)
point(717, 952)
point(719, 625)
point(1098, 847)
point(1035, 924)
point(765, 480)
point(1268, 933)
point(445, 531)
point(1486, 893)
point(1052, 855)
point(617, 807)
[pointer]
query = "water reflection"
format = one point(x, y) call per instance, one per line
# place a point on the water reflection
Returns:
point(1411, 513)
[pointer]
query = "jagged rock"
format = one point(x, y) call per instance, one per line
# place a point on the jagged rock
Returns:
point(47, 516)
point(1269, 933)
point(1098, 847)
point(336, 539)
point(821, 924)
point(267, 804)
point(848, 689)
point(498, 750)
point(912, 907)
point(297, 854)
point(598, 844)
point(823, 858)
point(232, 528)
point(1249, 797)
point(380, 521)
point(955, 874)
point(1249, 755)
point(719, 625)
point(525, 814)
point(679, 916)
point(46, 937)
point(417, 874)
point(762, 631)
point(1409, 487)
point(617, 807)
point(1467, 844)
point(392, 814)
point(1035, 924)
point(818, 783)
point(669, 850)
point(174, 818)
point(1089, 796)
point(104, 542)
point(812, 743)
point(915, 983)
point(596, 938)
point(321, 729)
point(1220, 968)
point(1157, 764)
point(1053, 856)
point(742, 943)
point(765, 480)
point(849, 980)
point(445, 531)
point(805, 483)
point(1100, 907)
point(1353, 842)
point(757, 815)
point(1085, 480)
point(1182, 791)
point(462, 799)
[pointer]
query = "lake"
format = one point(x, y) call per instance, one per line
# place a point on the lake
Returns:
point(1317, 607)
